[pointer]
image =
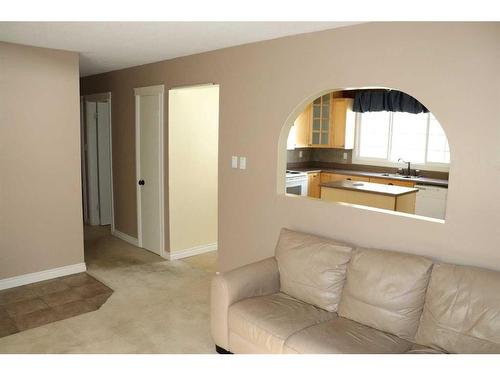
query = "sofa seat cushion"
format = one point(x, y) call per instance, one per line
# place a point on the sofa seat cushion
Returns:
point(386, 290)
point(312, 268)
point(267, 321)
point(344, 336)
point(462, 310)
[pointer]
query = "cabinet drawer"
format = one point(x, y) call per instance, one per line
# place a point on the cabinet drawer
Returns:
point(329, 177)
point(388, 181)
point(357, 178)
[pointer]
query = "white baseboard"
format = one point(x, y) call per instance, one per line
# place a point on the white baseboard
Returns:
point(125, 237)
point(192, 251)
point(34, 277)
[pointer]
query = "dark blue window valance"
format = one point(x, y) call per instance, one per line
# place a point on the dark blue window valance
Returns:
point(386, 100)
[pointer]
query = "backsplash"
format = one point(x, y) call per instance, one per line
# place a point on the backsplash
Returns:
point(323, 155)
point(331, 155)
point(299, 155)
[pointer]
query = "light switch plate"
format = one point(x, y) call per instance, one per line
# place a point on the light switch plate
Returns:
point(234, 162)
point(345, 155)
point(243, 162)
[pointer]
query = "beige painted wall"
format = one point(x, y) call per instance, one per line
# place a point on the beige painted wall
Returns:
point(192, 166)
point(40, 192)
point(450, 67)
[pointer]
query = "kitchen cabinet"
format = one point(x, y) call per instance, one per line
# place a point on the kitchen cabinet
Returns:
point(343, 123)
point(313, 188)
point(321, 125)
point(388, 181)
point(356, 178)
point(329, 177)
point(328, 122)
point(301, 125)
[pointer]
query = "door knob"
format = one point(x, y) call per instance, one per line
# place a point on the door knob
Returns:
point(141, 182)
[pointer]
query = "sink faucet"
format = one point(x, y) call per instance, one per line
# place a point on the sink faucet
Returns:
point(409, 165)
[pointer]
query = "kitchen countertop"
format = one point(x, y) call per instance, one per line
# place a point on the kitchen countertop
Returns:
point(417, 180)
point(370, 187)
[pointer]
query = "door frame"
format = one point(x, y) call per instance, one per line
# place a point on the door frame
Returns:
point(138, 92)
point(83, 160)
point(103, 97)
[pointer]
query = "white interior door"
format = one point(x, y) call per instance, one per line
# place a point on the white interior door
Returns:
point(149, 166)
point(104, 161)
point(92, 163)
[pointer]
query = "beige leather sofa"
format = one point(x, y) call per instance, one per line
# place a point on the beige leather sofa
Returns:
point(321, 296)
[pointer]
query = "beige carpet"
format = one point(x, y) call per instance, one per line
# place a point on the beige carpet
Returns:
point(157, 306)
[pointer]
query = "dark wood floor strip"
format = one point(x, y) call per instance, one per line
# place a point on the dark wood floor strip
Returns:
point(37, 304)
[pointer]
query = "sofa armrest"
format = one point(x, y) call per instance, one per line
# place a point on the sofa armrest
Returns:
point(255, 279)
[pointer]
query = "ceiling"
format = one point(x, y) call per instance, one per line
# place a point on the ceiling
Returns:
point(107, 46)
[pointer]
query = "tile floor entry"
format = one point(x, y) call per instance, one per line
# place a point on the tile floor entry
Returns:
point(37, 304)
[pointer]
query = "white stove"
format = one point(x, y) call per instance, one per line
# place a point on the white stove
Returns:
point(296, 183)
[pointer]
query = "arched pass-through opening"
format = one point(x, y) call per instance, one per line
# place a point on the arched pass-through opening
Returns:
point(371, 147)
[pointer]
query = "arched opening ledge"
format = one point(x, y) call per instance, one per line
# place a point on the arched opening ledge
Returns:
point(397, 119)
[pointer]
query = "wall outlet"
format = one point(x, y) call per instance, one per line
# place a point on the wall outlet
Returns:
point(345, 155)
point(300, 154)
point(234, 162)
point(243, 162)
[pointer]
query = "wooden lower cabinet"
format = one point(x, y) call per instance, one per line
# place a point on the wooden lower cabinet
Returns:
point(329, 177)
point(388, 181)
point(357, 178)
point(313, 188)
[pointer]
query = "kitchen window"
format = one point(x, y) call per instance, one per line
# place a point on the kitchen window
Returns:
point(382, 138)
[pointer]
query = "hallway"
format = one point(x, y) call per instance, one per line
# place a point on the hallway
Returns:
point(157, 306)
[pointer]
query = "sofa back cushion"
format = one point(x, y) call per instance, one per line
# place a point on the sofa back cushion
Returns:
point(312, 269)
point(386, 290)
point(462, 310)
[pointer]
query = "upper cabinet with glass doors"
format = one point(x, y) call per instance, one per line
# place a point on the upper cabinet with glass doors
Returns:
point(321, 129)
point(327, 122)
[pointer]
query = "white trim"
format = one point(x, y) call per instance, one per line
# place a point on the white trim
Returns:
point(92, 163)
point(138, 168)
point(111, 164)
point(34, 277)
point(161, 174)
point(149, 90)
point(159, 91)
point(83, 162)
point(201, 85)
point(192, 251)
point(100, 97)
point(125, 237)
